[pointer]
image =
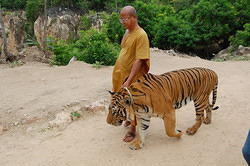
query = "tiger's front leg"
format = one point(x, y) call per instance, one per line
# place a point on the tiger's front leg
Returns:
point(170, 123)
point(141, 128)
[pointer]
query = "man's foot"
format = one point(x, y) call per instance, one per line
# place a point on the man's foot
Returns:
point(129, 136)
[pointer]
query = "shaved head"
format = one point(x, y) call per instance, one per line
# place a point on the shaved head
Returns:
point(129, 10)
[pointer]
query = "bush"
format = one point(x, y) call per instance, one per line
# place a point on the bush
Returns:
point(92, 47)
point(150, 14)
point(176, 34)
point(85, 23)
point(241, 37)
point(243, 13)
point(63, 52)
point(213, 19)
point(97, 48)
point(33, 9)
point(14, 4)
point(113, 28)
point(212, 22)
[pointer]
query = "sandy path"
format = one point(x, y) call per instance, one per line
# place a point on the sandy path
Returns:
point(36, 89)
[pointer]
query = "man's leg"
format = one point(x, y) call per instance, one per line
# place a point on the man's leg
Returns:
point(130, 135)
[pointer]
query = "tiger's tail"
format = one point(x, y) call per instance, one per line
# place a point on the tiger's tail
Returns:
point(214, 98)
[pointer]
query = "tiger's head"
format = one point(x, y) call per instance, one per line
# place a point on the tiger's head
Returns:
point(117, 107)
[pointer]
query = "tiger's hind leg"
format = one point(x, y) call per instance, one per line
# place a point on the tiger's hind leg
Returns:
point(199, 109)
point(208, 118)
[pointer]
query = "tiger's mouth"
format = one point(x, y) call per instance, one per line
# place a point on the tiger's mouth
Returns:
point(117, 122)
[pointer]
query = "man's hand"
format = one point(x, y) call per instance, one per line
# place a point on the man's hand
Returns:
point(136, 68)
point(126, 84)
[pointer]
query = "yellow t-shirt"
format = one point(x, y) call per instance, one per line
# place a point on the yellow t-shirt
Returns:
point(134, 46)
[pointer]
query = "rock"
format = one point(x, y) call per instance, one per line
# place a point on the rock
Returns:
point(243, 51)
point(62, 120)
point(16, 123)
point(240, 51)
point(223, 53)
point(171, 52)
point(72, 60)
point(14, 27)
point(62, 24)
point(100, 105)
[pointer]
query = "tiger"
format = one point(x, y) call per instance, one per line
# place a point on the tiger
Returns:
point(159, 96)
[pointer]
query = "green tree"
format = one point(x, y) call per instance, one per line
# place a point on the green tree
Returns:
point(150, 14)
point(13, 4)
point(33, 9)
point(113, 28)
point(213, 21)
point(242, 37)
point(242, 13)
point(176, 34)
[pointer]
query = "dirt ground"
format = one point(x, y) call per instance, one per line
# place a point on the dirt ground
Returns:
point(31, 95)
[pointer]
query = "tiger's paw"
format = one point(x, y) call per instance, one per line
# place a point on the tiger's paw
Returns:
point(136, 144)
point(191, 131)
point(179, 134)
point(207, 121)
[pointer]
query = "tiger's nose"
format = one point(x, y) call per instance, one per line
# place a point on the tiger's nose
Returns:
point(109, 119)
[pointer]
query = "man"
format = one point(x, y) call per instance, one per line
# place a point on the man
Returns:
point(246, 149)
point(133, 60)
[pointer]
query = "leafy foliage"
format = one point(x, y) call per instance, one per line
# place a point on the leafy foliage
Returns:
point(13, 4)
point(113, 28)
point(97, 48)
point(176, 34)
point(241, 37)
point(93, 47)
point(150, 14)
point(242, 13)
point(33, 9)
point(85, 23)
point(63, 52)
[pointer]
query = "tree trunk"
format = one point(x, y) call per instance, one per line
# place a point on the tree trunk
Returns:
point(45, 29)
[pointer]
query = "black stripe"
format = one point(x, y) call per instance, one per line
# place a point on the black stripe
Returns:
point(144, 127)
point(147, 120)
point(147, 85)
point(156, 80)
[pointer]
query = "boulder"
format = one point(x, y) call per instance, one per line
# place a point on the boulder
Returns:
point(229, 52)
point(14, 28)
point(242, 51)
point(62, 24)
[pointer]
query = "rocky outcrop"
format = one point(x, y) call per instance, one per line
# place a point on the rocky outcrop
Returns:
point(14, 29)
point(62, 24)
point(96, 21)
point(230, 53)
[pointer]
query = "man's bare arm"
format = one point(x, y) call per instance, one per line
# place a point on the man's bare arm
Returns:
point(137, 66)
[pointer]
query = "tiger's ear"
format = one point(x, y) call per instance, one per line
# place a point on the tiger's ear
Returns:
point(127, 101)
point(110, 92)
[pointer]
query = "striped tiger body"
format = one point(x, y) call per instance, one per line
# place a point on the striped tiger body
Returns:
point(160, 95)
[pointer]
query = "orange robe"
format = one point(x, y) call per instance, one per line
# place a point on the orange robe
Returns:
point(134, 46)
